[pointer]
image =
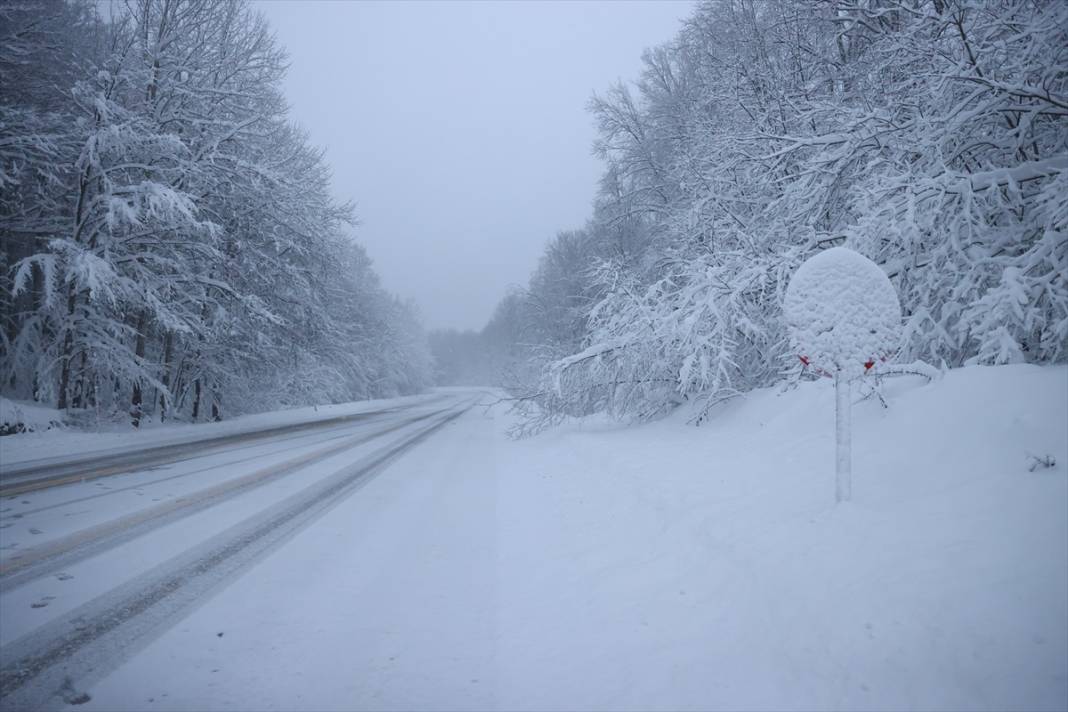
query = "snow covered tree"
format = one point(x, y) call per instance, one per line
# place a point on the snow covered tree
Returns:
point(929, 136)
point(171, 245)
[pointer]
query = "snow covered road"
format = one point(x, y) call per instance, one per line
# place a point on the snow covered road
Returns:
point(73, 602)
point(389, 602)
point(44, 472)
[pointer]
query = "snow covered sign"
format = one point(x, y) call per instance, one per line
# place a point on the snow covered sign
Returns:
point(843, 315)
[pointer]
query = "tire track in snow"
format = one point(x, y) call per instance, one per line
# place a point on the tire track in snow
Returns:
point(313, 438)
point(53, 556)
point(29, 477)
point(86, 642)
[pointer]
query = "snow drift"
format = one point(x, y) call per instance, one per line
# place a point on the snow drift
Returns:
point(671, 567)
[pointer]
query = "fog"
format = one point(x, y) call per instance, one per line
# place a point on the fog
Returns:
point(460, 129)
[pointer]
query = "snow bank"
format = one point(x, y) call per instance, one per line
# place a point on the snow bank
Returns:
point(668, 567)
point(20, 416)
point(842, 311)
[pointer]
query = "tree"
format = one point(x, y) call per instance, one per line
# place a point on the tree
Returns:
point(171, 245)
point(925, 135)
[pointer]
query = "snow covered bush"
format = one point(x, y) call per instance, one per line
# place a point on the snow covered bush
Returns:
point(21, 417)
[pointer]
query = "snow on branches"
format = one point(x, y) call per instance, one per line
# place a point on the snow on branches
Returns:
point(928, 136)
point(170, 245)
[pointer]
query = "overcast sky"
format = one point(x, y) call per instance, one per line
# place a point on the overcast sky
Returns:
point(460, 129)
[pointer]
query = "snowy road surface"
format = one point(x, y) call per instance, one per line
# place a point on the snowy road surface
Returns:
point(90, 569)
point(420, 559)
point(43, 472)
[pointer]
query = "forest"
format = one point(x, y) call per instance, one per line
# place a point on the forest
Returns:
point(928, 135)
point(171, 248)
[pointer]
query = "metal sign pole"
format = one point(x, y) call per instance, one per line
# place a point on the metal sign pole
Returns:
point(843, 436)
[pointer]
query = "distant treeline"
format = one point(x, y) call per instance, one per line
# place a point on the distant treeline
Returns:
point(170, 246)
point(928, 135)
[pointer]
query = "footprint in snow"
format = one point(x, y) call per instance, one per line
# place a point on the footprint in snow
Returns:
point(64, 576)
point(72, 696)
point(35, 530)
point(45, 600)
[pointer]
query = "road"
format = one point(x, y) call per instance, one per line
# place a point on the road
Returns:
point(42, 473)
point(97, 559)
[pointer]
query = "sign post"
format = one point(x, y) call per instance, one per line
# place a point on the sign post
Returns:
point(843, 314)
point(843, 429)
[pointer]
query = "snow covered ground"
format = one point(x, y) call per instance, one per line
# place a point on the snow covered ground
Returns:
point(710, 568)
point(19, 416)
point(599, 566)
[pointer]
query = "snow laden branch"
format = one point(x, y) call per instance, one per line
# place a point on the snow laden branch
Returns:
point(171, 248)
point(928, 137)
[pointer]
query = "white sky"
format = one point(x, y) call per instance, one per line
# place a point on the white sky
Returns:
point(460, 128)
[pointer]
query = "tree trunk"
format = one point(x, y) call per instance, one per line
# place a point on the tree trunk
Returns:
point(139, 353)
point(165, 395)
point(68, 351)
point(179, 390)
point(79, 399)
point(64, 372)
point(215, 414)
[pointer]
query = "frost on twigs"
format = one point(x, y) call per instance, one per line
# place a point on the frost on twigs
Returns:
point(842, 312)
